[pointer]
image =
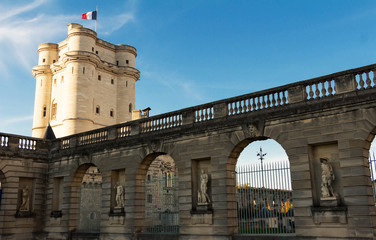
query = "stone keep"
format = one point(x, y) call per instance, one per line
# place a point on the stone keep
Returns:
point(83, 83)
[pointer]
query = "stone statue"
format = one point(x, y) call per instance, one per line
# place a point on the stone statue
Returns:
point(203, 196)
point(119, 196)
point(25, 199)
point(327, 178)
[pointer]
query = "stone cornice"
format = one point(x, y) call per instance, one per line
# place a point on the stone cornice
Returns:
point(94, 59)
point(41, 70)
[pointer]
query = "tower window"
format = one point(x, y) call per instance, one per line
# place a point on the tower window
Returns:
point(97, 110)
point(117, 63)
point(44, 111)
point(72, 70)
point(83, 70)
point(53, 110)
point(99, 77)
point(96, 52)
point(112, 81)
point(54, 81)
point(127, 61)
point(92, 49)
point(62, 79)
point(130, 107)
point(44, 60)
point(112, 113)
point(126, 83)
point(53, 61)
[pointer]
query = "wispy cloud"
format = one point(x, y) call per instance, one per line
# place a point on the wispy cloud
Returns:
point(175, 83)
point(22, 29)
point(17, 119)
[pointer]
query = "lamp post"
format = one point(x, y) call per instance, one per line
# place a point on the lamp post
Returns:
point(261, 157)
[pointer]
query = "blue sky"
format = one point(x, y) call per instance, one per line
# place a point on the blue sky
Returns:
point(190, 51)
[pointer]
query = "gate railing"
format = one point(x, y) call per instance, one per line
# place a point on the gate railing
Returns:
point(264, 199)
point(372, 168)
point(161, 205)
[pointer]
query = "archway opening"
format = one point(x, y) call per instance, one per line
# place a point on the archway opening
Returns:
point(86, 197)
point(372, 162)
point(264, 202)
point(160, 196)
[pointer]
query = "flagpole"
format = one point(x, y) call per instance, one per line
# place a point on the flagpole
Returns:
point(96, 19)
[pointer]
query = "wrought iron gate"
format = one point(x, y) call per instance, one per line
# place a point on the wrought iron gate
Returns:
point(161, 204)
point(264, 199)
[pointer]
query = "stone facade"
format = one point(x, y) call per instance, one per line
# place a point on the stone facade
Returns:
point(83, 83)
point(332, 117)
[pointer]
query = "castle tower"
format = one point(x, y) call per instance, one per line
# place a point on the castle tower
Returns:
point(83, 83)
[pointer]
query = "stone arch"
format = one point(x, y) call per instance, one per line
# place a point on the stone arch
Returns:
point(370, 161)
point(241, 142)
point(74, 209)
point(140, 197)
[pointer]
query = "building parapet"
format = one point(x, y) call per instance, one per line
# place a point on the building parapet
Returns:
point(312, 90)
point(23, 146)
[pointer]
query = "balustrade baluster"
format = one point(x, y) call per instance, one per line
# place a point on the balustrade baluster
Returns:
point(263, 102)
point(368, 80)
point(254, 104)
point(284, 99)
point(206, 114)
point(236, 108)
point(273, 100)
point(279, 100)
point(317, 91)
point(230, 109)
point(323, 89)
point(258, 102)
point(310, 92)
point(330, 89)
point(240, 107)
point(361, 81)
point(249, 105)
point(210, 113)
point(374, 77)
point(268, 102)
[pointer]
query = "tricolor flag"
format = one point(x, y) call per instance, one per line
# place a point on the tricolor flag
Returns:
point(90, 15)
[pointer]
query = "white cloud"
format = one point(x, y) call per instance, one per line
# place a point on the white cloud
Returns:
point(22, 30)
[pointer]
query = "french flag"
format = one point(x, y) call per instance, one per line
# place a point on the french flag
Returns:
point(90, 15)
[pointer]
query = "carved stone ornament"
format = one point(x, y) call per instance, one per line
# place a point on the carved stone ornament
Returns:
point(253, 131)
point(155, 146)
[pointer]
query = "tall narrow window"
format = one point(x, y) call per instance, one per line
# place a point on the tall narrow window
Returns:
point(62, 79)
point(117, 63)
point(130, 107)
point(44, 60)
point(111, 113)
point(112, 81)
point(126, 83)
point(99, 77)
point(72, 70)
point(44, 111)
point(127, 61)
point(53, 110)
point(97, 110)
point(83, 70)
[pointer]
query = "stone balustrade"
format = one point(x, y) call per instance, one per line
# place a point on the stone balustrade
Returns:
point(309, 90)
point(22, 144)
point(315, 89)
